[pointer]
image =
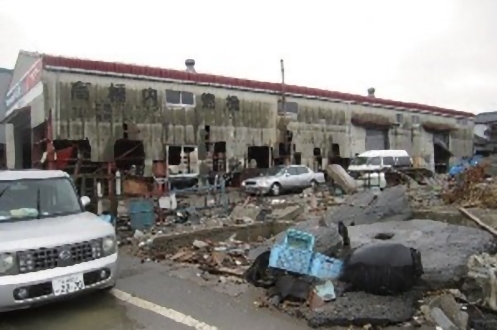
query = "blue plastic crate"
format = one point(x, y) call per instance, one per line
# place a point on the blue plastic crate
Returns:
point(324, 267)
point(294, 253)
point(141, 213)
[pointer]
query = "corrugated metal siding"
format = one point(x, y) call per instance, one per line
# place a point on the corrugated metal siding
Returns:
point(376, 139)
point(80, 119)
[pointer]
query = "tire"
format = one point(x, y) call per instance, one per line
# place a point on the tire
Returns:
point(314, 183)
point(275, 189)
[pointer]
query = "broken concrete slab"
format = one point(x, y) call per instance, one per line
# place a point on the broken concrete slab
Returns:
point(444, 248)
point(368, 207)
point(360, 309)
point(245, 211)
point(341, 178)
point(290, 212)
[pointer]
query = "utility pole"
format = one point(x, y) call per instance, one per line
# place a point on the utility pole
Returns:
point(287, 143)
point(282, 85)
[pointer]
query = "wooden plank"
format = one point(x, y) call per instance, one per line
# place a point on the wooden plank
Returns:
point(477, 220)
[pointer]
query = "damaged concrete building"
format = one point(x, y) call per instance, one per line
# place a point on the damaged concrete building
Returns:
point(195, 122)
point(485, 133)
point(5, 78)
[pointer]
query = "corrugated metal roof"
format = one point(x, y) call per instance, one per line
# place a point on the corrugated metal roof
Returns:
point(486, 117)
point(145, 71)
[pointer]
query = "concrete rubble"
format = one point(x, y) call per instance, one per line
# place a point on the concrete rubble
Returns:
point(458, 277)
point(221, 258)
point(444, 248)
point(368, 207)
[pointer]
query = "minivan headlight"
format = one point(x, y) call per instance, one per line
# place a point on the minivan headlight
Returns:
point(7, 262)
point(109, 245)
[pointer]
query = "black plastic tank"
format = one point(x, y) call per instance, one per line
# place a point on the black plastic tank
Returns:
point(382, 269)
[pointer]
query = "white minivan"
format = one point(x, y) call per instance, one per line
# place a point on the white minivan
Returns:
point(376, 160)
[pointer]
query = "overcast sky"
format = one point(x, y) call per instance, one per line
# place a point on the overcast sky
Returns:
point(439, 52)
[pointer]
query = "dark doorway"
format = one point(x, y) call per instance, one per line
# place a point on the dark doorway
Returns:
point(261, 156)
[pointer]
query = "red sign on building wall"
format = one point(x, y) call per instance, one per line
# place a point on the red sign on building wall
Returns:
point(27, 83)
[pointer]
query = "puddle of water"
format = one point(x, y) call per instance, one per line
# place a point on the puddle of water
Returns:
point(96, 311)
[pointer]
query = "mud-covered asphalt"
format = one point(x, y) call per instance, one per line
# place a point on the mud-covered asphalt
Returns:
point(162, 287)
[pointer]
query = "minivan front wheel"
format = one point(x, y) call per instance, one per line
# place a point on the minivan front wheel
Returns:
point(275, 189)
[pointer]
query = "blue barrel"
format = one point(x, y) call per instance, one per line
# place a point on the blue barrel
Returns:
point(141, 213)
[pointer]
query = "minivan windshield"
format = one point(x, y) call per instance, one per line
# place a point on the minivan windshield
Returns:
point(37, 198)
point(359, 161)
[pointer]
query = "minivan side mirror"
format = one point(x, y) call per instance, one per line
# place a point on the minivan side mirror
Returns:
point(85, 200)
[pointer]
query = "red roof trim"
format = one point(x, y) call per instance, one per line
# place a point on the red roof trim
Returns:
point(120, 68)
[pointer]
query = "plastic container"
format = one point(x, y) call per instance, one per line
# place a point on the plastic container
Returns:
point(325, 268)
point(141, 213)
point(294, 253)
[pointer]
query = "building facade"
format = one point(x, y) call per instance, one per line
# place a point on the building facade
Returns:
point(197, 121)
point(485, 133)
point(5, 79)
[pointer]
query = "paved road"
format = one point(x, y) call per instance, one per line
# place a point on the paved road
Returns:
point(153, 297)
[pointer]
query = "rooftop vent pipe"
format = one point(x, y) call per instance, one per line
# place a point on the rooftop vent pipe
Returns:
point(190, 65)
point(371, 92)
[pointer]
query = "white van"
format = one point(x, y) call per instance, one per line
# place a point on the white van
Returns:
point(378, 159)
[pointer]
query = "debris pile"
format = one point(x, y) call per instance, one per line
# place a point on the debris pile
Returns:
point(390, 270)
point(221, 258)
point(471, 189)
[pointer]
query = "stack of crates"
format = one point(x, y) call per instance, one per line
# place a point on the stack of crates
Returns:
point(296, 254)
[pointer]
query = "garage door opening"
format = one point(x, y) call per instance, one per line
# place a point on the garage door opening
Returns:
point(377, 139)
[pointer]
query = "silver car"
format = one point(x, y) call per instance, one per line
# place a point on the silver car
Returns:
point(283, 178)
point(50, 247)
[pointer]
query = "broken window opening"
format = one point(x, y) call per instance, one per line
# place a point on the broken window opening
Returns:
point(72, 156)
point(187, 159)
point(297, 158)
point(174, 155)
point(318, 159)
point(290, 107)
point(129, 155)
point(399, 117)
point(208, 101)
point(207, 137)
point(219, 158)
point(335, 158)
point(179, 98)
point(182, 159)
point(259, 156)
point(285, 149)
point(283, 153)
point(441, 152)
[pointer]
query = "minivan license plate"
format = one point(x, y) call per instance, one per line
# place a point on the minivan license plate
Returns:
point(68, 284)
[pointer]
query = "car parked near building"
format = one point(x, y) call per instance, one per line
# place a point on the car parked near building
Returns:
point(50, 247)
point(283, 178)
